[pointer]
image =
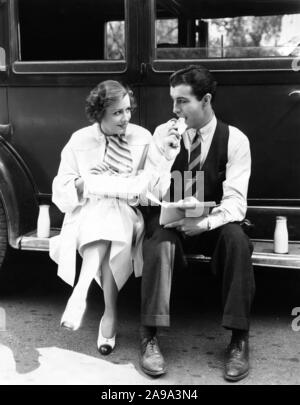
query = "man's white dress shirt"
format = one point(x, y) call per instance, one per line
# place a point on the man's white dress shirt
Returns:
point(233, 205)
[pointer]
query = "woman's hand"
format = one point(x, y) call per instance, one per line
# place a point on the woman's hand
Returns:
point(101, 168)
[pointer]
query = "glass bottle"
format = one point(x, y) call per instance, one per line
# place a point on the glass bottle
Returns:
point(281, 237)
point(43, 222)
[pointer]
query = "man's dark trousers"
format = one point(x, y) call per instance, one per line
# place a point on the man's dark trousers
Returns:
point(228, 245)
point(231, 251)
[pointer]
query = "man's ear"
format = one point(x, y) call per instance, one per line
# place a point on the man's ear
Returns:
point(207, 98)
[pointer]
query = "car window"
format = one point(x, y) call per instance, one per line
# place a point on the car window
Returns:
point(65, 30)
point(192, 29)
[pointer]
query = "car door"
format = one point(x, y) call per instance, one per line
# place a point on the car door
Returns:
point(253, 50)
point(60, 50)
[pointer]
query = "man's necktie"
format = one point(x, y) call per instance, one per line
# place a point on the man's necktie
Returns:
point(194, 166)
point(118, 155)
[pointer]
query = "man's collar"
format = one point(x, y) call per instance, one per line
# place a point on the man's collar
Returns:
point(205, 131)
point(208, 128)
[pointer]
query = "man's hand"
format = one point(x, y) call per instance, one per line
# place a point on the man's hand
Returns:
point(190, 226)
point(188, 203)
point(169, 139)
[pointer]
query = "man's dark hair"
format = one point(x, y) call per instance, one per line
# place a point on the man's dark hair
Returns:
point(196, 76)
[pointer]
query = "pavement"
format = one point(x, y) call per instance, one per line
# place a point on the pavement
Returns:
point(34, 350)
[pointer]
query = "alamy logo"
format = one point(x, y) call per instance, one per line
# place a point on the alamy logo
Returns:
point(185, 185)
point(296, 321)
point(2, 320)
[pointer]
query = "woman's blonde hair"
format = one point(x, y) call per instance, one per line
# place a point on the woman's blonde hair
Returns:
point(103, 95)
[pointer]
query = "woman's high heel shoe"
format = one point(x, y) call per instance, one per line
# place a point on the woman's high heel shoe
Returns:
point(105, 345)
point(73, 314)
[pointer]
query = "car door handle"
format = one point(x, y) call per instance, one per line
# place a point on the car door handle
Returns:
point(295, 93)
point(6, 130)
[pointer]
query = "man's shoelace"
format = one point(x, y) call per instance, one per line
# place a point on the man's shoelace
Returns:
point(153, 345)
point(235, 353)
point(235, 350)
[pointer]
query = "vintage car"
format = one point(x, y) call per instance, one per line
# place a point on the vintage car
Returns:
point(52, 52)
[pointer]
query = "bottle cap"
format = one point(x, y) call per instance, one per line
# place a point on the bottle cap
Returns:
point(280, 218)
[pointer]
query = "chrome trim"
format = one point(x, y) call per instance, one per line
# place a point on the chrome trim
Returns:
point(262, 259)
point(295, 93)
point(272, 208)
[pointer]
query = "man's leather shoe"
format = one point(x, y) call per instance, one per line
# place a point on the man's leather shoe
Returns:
point(237, 360)
point(152, 361)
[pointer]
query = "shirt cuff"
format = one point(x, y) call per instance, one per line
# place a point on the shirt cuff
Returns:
point(216, 219)
point(159, 159)
point(72, 192)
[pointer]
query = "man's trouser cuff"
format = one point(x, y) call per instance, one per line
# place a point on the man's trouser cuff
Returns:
point(155, 320)
point(230, 322)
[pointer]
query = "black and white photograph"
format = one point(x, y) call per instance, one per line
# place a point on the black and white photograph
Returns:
point(149, 195)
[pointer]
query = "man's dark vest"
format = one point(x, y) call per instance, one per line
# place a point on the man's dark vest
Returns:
point(214, 166)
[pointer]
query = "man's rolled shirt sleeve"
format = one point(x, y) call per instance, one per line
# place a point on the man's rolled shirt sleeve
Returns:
point(233, 206)
point(159, 163)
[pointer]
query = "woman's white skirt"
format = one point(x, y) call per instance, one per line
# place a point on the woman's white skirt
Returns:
point(108, 219)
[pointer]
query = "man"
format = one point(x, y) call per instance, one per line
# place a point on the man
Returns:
point(222, 152)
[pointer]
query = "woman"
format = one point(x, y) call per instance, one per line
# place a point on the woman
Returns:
point(98, 163)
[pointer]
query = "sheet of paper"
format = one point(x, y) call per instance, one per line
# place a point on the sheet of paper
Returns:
point(171, 212)
point(152, 198)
